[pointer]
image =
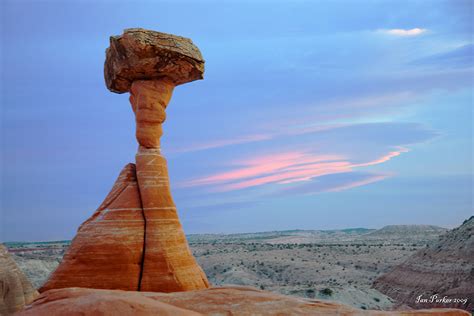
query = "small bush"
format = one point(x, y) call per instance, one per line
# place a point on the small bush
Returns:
point(327, 291)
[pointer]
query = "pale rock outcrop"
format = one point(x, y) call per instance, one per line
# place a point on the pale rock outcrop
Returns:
point(16, 290)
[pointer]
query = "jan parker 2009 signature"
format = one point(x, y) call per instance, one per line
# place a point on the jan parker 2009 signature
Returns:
point(435, 298)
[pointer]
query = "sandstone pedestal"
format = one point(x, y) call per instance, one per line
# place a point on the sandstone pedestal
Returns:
point(107, 252)
point(169, 265)
point(134, 241)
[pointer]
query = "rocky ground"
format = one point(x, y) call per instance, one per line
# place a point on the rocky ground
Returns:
point(336, 265)
point(217, 301)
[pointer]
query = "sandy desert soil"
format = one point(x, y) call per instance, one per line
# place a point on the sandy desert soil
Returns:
point(336, 265)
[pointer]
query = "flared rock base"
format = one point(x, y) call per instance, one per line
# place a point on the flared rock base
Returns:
point(134, 241)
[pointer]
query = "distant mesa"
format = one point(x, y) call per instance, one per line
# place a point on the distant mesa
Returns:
point(16, 290)
point(406, 232)
point(444, 268)
point(407, 229)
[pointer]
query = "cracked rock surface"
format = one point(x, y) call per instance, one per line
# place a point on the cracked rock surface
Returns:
point(140, 54)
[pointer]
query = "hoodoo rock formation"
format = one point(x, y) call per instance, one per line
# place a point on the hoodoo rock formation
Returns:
point(16, 290)
point(134, 241)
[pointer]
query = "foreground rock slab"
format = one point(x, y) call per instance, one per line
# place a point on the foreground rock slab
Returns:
point(237, 301)
point(15, 289)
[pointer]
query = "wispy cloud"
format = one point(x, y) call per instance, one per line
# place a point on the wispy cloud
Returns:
point(461, 56)
point(266, 169)
point(404, 32)
point(286, 168)
point(333, 183)
point(221, 143)
point(355, 184)
point(384, 158)
point(344, 112)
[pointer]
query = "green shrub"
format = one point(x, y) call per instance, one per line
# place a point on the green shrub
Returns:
point(327, 291)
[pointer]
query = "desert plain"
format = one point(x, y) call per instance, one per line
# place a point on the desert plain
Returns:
point(336, 265)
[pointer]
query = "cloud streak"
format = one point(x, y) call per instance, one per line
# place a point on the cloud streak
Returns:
point(295, 158)
point(405, 32)
point(344, 112)
point(333, 183)
point(222, 143)
point(355, 184)
point(287, 168)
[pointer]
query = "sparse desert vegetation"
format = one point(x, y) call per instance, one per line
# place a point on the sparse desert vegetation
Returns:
point(338, 265)
point(338, 271)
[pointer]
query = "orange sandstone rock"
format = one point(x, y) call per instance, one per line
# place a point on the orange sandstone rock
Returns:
point(84, 302)
point(135, 241)
point(236, 301)
point(107, 252)
point(149, 99)
point(169, 265)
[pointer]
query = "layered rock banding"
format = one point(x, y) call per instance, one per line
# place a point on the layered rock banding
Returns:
point(134, 241)
point(107, 251)
point(444, 269)
point(16, 290)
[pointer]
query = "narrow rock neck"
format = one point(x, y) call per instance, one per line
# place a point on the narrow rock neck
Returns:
point(149, 99)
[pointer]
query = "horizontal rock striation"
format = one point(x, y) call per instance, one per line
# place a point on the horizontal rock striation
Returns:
point(169, 265)
point(107, 252)
point(445, 268)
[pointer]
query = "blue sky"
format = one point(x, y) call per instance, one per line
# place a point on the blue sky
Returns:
point(312, 114)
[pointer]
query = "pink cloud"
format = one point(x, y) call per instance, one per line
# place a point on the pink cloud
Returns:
point(384, 158)
point(285, 177)
point(263, 165)
point(285, 168)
